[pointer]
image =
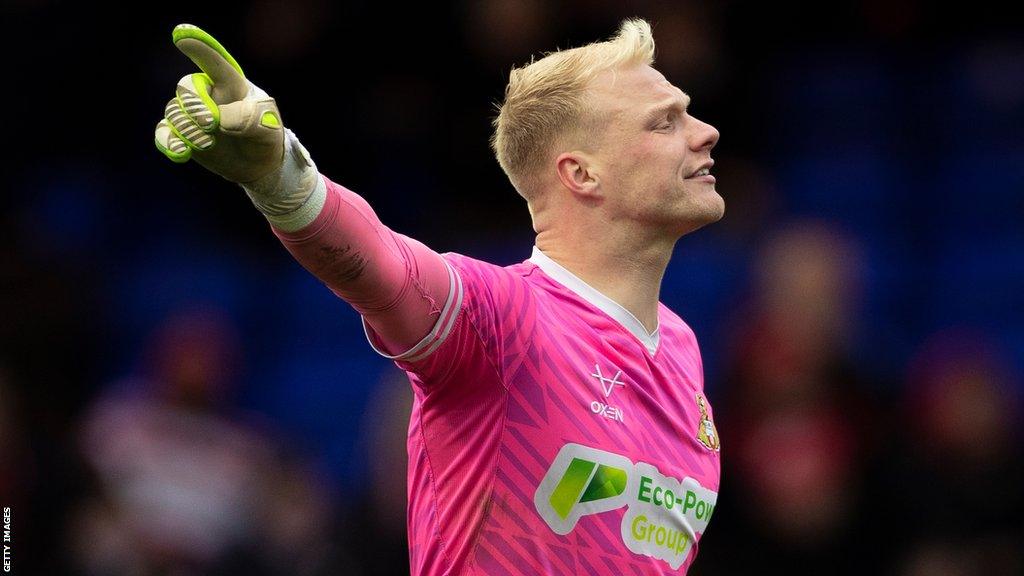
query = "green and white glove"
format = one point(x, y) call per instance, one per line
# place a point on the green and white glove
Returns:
point(233, 128)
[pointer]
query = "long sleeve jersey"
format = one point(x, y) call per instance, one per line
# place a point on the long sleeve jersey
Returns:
point(550, 432)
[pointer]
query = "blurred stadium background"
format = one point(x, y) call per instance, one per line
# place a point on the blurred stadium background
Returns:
point(177, 396)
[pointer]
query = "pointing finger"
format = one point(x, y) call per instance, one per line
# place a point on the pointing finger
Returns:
point(229, 83)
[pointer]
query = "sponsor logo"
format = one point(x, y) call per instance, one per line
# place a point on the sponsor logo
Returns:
point(663, 516)
point(579, 482)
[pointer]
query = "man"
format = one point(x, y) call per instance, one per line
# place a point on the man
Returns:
point(559, 424)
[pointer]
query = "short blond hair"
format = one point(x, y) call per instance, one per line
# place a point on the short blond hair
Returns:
point(545, 99)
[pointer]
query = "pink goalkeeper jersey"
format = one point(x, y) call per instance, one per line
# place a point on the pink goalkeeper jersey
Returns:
point(550, 434)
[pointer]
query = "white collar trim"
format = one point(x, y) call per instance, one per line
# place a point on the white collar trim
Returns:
point(610, 307)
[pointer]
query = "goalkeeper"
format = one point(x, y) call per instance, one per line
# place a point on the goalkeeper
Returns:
point(559, 423)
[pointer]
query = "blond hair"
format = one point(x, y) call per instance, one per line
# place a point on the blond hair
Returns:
point(545, 100)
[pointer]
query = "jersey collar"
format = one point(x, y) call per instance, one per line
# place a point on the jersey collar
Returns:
point(590, 294)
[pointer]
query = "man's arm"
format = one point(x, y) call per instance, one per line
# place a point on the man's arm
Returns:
point(397, 284)
point(233, 128)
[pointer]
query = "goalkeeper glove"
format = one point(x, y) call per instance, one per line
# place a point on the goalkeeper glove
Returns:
point(233, 128)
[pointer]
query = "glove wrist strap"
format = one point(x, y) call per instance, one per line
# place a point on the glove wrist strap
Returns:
point(292, 196)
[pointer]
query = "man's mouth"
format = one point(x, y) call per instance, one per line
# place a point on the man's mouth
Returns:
point(703, 173)
point(703, 170)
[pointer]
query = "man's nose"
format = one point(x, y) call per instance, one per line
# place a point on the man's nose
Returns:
point(704, 136)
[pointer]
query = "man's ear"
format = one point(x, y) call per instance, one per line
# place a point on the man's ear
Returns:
point(576, 173)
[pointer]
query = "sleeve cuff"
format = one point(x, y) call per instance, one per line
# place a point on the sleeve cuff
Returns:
point(437, 335)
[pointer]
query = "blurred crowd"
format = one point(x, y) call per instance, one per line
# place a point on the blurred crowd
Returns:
point(177, 397)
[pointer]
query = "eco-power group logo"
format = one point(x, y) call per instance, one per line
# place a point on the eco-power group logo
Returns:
point(663, 517)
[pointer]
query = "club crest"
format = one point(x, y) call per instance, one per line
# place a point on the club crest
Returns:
point(707, 434)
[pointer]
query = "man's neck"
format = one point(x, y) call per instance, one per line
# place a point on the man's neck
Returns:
point(625, 267)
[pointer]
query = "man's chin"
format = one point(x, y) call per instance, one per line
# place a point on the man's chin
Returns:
point(720, 212)
point(704, 214)
point(710, 208)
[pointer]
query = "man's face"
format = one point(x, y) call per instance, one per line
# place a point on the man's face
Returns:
point(650, 149)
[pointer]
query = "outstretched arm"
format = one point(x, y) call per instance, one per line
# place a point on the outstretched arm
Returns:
point(403, 289)
point(233, 128)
